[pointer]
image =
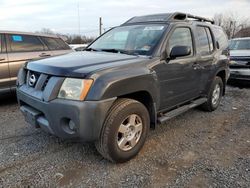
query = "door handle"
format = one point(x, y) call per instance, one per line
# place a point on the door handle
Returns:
point(44, 55)
point(197, 66)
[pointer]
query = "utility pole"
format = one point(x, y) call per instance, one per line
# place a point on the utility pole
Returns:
point(100, 25)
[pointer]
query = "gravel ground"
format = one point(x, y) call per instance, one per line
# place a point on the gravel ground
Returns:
point(196, 149)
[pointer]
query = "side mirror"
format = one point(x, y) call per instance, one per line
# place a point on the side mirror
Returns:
point(180, 51)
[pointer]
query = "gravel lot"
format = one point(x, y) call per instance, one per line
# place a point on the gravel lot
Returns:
point(196, 149)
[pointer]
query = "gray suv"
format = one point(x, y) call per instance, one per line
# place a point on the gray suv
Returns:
point(240, 59)
point(146, 71)
point(16, 48)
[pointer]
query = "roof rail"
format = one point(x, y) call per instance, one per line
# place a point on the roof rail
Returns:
point(177, 16)
point(184, 16)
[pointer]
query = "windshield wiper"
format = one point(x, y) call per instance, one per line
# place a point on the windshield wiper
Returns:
point(113, 50)
point(91, 49)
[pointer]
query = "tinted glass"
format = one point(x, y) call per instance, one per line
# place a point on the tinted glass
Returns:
point(240, 44)
point(52, 43)
point(62, 44)
point(210, 40)
point(135, 39)
point(202, 40)
point(25, 43)
point(221, 37)
point(181, 37)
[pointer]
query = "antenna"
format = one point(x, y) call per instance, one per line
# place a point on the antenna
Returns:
point(79, 25)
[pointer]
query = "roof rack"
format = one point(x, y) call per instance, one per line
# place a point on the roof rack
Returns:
point(177, 16)
point(184, 16)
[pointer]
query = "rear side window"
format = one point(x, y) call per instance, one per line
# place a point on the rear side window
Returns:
point(204, 41)
point(25, 43)
point(55, 43)
point(210, 39)
point(51, 43)
point(181, 37)
point(63, 45)
point(220, 37)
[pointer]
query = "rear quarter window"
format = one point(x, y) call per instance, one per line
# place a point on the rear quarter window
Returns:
point(24, 43)
point(63, 45)
point(204, 40)
point(55, 43)
point(220, 37)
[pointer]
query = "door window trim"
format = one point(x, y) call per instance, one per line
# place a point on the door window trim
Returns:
point(9, 50)
point(192, 37)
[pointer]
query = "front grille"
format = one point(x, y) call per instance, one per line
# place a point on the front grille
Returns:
point(37, 80)
point(45, 88)
point(240, 63)
point(238, 66)
point(45, 83)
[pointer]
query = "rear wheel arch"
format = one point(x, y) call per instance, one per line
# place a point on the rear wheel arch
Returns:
point(222, 75)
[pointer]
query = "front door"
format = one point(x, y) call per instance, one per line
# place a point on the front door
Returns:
point(4, 67)
point(179, 78)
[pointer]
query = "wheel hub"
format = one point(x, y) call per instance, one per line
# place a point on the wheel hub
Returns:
point(129, 132)
point(216, 94)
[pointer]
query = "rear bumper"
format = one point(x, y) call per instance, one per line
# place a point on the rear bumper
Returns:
point(56, 115)
point(240, 74)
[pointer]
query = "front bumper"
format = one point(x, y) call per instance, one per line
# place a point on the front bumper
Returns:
point(240, 74)
point(56, 115)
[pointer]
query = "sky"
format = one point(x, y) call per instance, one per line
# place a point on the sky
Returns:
point(61, 16)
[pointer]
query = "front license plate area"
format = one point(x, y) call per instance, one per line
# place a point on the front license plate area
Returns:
point(30, 115)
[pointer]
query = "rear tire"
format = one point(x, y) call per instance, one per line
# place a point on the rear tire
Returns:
point(214, 95)
point(124, 131)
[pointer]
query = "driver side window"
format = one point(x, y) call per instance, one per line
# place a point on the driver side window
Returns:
point(181, 37)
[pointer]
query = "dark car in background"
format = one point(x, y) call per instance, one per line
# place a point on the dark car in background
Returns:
point(240, 59)
point(16, 48)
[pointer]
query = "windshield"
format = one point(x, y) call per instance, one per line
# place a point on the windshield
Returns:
point(135, 39)
point(239, 44)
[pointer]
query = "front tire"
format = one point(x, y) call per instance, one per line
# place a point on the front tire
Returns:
point(214, 95)
point(124, 131)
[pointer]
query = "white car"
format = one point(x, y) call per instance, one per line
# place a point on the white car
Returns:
point(240, 58)
point(78, 47)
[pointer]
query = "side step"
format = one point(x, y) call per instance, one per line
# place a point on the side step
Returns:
point(180, 110)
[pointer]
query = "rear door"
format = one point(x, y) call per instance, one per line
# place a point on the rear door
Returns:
point(56, 45)
point(23, 48)
point(4, 66)
point(205, 54)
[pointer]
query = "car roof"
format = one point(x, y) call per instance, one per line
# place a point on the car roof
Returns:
point(28, 33)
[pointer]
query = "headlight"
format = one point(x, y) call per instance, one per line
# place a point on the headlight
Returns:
point(74, 89)
point(232, 62)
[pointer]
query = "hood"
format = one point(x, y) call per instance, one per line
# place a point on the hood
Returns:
point(240, 53)
point(78, 64)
